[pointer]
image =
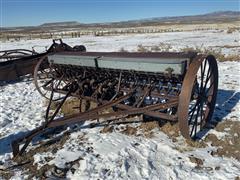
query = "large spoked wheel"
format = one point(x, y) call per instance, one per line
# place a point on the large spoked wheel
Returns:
point(45, 81)
point(42, 77)
point(198, 96)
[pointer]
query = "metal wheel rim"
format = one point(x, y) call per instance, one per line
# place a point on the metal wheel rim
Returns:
point(36, 77)
point(49, 81)
point(195, 111)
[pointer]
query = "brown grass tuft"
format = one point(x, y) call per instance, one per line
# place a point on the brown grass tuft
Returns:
point(171, 130)
point(216, 53)
point(123, 50)
point(129, 130)
point(229, 145)
point(141, 48)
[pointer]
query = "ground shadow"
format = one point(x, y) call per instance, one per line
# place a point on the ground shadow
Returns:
point(226, 101)
point(27, 78)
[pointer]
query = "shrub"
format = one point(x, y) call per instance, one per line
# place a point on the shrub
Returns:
point(123, 50)
point(141, 48)
point(215, 52)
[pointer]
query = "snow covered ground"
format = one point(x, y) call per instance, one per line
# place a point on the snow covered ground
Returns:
point(88, 153)
point(177, 40)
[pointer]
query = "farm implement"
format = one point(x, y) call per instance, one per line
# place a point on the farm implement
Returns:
point(177, 87)
point(19, 62)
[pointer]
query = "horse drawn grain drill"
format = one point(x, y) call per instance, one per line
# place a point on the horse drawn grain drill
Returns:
point(174, 86)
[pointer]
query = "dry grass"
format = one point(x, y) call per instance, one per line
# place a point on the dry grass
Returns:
point(161, 47)
point(216, 53)
point(71, 106)
point(148, 127)
point(27, 159)
point(171, 130)
point(197, 161)
point(123, 50)
point(107, 129)
point(141, 48)
point(232, 58)
point(232, 29)
point(130, 131)
point(228, 146)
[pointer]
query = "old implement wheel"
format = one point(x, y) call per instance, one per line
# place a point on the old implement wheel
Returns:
point(41, 76)
point(198, 96)
point(44, 81)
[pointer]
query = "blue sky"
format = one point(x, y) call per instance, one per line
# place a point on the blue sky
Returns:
point(36, 12)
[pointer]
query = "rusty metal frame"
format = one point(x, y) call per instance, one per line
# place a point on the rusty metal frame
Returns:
point(180, 101)
point(92, 114)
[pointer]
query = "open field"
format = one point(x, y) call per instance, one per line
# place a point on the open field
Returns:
point(16, 35)
point(218, 42)
point(127, 151)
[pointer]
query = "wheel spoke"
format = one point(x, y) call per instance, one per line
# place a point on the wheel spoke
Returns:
point(195, 122)
point(45, 93)
point(190, 119)
point(193, 109)
point(47, 83)
point(201, 116)
point(212, 83)
point(207, 79)
point(199, 106)
point(202, 74)
point(201, 79)
point(192, 112)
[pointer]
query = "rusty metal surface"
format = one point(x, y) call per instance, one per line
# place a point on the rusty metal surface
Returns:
point(94, 115)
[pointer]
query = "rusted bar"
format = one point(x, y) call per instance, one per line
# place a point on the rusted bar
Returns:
point(88, 116)
point(151, 113)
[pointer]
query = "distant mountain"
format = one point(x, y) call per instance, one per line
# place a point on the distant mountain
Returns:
point(220, 16)
point(67, 23)
point(214, 17)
